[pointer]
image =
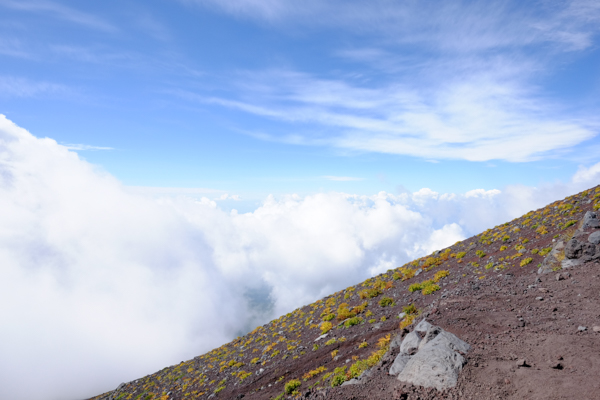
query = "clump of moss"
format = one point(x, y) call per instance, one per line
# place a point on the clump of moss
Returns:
point(480, 253)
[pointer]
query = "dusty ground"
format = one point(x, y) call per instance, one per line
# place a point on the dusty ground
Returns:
point(492, 298)
point(561, 361)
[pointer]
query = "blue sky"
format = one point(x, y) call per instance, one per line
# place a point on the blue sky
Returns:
point(251, 97)
point(174, 173)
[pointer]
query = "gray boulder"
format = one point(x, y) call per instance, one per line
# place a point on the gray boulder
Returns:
point(399, 364)
point(431, 334)
point(437, 364)
point(573, 249)
point(422, 326)
point(395, 343)
point(590, 220)
point(410, 344)
point(594, 238)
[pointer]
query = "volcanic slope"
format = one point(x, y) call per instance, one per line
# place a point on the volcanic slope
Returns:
point(533, 336)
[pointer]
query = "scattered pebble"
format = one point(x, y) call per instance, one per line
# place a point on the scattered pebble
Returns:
point(596, 328)
point(581, 328)
point(540, 298)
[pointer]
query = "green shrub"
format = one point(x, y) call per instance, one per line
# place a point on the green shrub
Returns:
point(526, 261)
point(338, 380)
point(430, 289)
point(410, 309)
point(369, 293)
point(352, 321)
point(386, 301)
point(480, 253)
point(461, 254)
point(291, 386)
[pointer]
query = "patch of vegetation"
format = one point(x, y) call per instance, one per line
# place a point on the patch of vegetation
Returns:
point(326, 327)
point(526, 261)
point(313, 373)
point(291, 386)
point(480, 253)
point(461, 254)
point(386, 301)
point(352, 321)
point(369, 293)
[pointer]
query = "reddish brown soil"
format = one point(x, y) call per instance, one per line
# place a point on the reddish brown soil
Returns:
point(496, 310)
point(563, 363)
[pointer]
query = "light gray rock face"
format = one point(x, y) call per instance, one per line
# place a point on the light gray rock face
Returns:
point(431, 334)
point(437, 364)
point(395, 343)
point(567, 263)
point(410, 344)
point(594, 238)
point(590, 220)
point(399, 364)
point(422, 326)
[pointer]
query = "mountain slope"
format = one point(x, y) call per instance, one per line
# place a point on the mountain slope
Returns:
point(482, 289)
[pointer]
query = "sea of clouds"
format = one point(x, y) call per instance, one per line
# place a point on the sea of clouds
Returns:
point(99, 285)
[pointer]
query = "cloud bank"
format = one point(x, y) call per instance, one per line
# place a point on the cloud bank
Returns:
point(100, 285)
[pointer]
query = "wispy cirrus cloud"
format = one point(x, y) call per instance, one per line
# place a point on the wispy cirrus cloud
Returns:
point(481, 118)
point(11, 86)
point(458, 80)
point(85, 147)
point(458, 25)
point(59, 11)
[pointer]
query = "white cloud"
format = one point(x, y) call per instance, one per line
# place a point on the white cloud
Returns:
point(101, 285)
point(585, 175)
point(483, 117)
point(84, 147)
point(455, 80)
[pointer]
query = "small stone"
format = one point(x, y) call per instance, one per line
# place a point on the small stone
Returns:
point(560, 277)
point(522, 363)
point(540, 298)
point(507, 381)
point(596, 328)
point(581, 328)
point(543, 290)
point(556, 366)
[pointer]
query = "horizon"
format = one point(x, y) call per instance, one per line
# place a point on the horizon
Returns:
point(254, 156)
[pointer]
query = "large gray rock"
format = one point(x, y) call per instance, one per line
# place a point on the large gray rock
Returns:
point(399, 364)
point(437, 364)
point(410, 344)
point(431, 334)
point(594, 238)
point(395, 343)
point(573, 249)
point(590, 220)
point(422, 326)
